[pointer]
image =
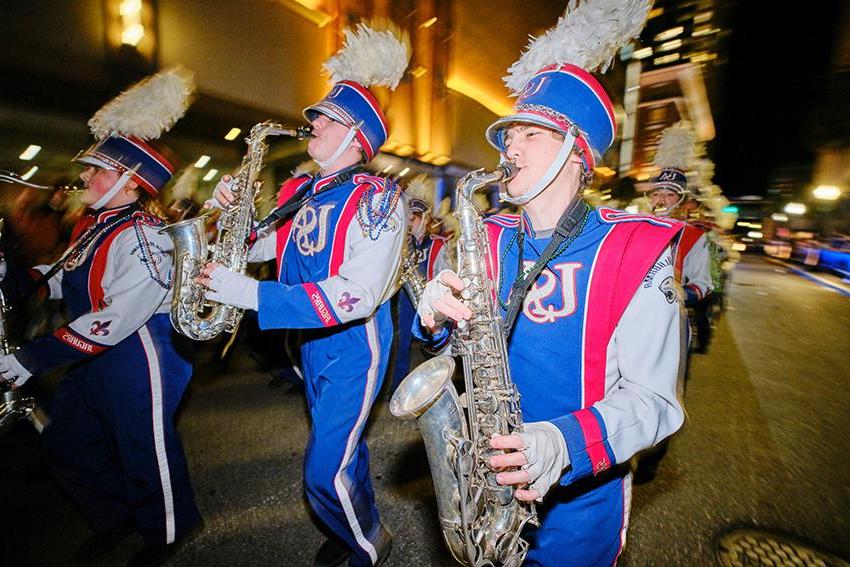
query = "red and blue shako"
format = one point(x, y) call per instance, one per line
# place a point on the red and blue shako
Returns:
point(562, 98)
point(123, 153)
point(353, 105)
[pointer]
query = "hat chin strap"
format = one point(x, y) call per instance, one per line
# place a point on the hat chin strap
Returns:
point(548, 177)
point(119, 184)
point(667, 211)
point(342, 146)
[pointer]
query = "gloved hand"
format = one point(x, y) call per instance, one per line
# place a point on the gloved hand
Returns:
point(438, 301)
point(229, 287)
point(13, 371)
point(540, 451)
point(222, 194)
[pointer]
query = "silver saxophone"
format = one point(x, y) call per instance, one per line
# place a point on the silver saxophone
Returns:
point(191, 314)
point(14, 406)
point(411, 278)
point(481, 520)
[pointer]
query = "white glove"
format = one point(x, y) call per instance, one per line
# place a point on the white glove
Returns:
point(234, 289)
point(438, 302)
point(547, 455)
point(222, 194)
point(13, 371)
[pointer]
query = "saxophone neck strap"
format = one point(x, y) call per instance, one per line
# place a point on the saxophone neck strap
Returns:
point(301, 196)
point(83, 242)
point(569, 227)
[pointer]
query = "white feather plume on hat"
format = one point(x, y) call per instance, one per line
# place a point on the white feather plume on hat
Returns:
point(675, 147)
point(148, 108)
point(421, 188)
point(371, 57)
point(588, 35)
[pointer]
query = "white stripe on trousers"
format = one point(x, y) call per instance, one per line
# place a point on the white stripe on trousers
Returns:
point(344, 498)
point(158, 430)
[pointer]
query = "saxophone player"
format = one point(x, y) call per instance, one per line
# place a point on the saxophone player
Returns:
point(112, 443)
point(588, 298)
point(337, 263)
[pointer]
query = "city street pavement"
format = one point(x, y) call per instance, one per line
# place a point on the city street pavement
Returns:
point(764, 446)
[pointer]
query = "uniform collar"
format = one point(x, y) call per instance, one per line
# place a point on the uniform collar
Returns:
point(320, 183)
point(106, 214)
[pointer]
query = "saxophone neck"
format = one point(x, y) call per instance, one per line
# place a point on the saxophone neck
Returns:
point(479, 178)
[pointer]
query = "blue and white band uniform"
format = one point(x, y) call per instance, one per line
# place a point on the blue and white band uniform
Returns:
point(338, 260)
point(112, 442)
point(598, 341)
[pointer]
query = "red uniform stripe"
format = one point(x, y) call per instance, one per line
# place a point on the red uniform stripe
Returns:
point(98, 267)
point(593, 441)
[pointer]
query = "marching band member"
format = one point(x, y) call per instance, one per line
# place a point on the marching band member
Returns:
point(588, 296)
point(337, 264)
point(427, 249)
point(111, 443)
point(671, 197)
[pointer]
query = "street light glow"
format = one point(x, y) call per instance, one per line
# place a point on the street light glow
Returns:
point(29, 153)
point(210, 175)
point(827, 192)
point(202, 161)
point(779, 217)
point(795, 209)
point(29, 173)
point(231, 135)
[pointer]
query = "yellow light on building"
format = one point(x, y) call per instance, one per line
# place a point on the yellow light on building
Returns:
point(231, 135)
point(428, 23)
point(670, 45)
point(29, 153)
point(670, 58)
point(131, 22)
point(827, 192)
point(133, 34)
point(670, 33)
point(210, 175)
point(418, 71)
point(704, 31)
point(309, 10)
point(404, 172)
point(202, 161)
point(492, 103)
point(30, 172)
point(703, 17)
point(795, 209)
point(642, 53)
point(130, 8)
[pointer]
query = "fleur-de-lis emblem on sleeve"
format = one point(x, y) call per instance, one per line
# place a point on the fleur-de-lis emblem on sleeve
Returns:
point(346, 302)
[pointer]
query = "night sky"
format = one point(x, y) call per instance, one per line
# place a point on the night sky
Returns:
point(777, 54)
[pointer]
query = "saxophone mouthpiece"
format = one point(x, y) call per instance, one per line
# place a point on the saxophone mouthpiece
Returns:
point(508, 170)
point(304, 132)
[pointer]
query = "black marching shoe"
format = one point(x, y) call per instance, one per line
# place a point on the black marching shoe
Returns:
point(332, 553)
point(151, 555)
point(99, 545)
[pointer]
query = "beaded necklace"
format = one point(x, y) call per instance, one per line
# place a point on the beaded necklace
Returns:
point(374, 220)
point(147, 257)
